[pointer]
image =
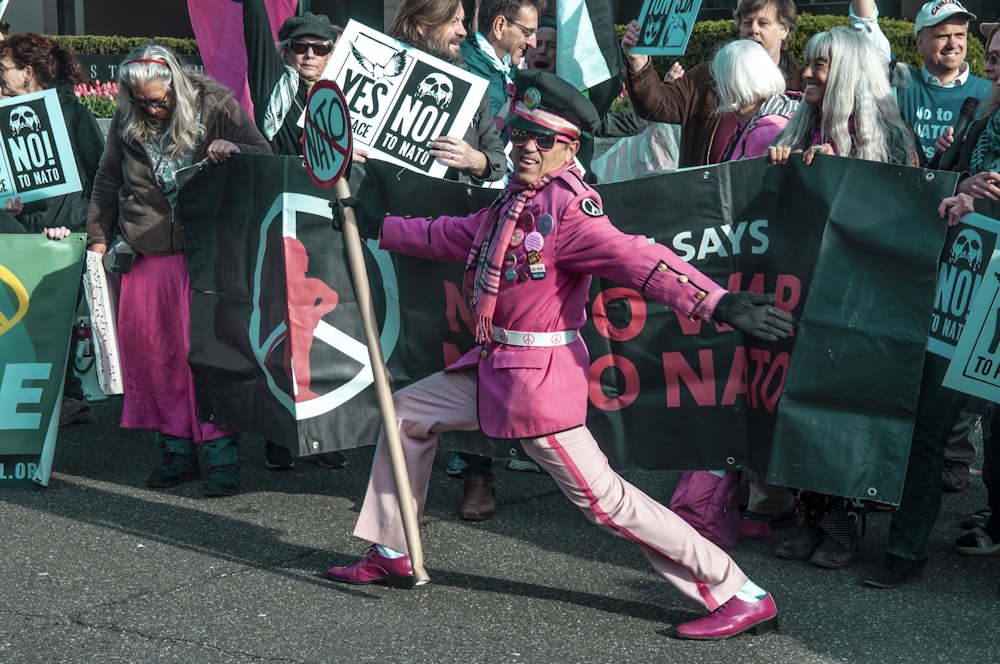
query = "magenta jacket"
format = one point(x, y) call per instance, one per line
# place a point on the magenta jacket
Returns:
point(529, 392)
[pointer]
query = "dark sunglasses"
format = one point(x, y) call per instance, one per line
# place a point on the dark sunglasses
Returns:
point(149, 103)
point(319, 48)
point(543, 142)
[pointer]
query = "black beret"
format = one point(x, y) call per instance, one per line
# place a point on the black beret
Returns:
point(307, 24)
point(546, 102)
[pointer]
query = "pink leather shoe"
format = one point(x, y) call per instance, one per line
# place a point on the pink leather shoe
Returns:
point(732, 618)
point(376, 568)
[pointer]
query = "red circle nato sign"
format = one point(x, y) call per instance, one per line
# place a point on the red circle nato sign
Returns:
point(326, 138)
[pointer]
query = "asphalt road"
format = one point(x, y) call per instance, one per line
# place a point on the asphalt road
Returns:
point(98, 568)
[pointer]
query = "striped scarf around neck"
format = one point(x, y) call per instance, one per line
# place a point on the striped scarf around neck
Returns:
point(487, 253)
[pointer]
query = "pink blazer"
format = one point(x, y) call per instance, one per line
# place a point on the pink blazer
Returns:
point(534, 391)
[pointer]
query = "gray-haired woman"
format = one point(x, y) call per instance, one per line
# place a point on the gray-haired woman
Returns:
point(167, 118)
point(750, 85)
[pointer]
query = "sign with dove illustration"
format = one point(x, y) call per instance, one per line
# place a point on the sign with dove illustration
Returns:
point(400, 98)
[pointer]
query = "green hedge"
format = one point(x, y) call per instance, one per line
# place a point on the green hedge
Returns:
point(708, 36)
point(97, 45)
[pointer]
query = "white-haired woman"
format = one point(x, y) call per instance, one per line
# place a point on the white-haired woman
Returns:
point(750, 85)
point(167, 118)
point(848, 107)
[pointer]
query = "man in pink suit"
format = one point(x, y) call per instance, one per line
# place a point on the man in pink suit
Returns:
point(529, 260)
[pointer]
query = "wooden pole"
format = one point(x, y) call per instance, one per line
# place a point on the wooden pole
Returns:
point(356, 258)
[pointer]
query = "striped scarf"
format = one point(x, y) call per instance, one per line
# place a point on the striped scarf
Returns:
point(487, 253)
point(986, 155)
point(281, 100)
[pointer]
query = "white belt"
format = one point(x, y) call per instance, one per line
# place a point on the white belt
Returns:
point(536, 339)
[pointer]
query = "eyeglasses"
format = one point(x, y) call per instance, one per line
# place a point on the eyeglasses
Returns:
point(527, 32)
point(543, 142)
point(149, 103)
point(319, 48)
point(992, 58)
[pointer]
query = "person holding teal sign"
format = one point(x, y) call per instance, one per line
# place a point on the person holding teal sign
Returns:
point(32, 63)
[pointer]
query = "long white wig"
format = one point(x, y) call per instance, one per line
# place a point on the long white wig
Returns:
point(858, 111)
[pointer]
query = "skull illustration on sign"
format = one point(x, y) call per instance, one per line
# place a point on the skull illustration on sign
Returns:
point(24, 117)
point(438, 87)
point(968, 246)
point(652, 30)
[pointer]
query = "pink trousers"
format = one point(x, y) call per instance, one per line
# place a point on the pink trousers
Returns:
point(447, 402)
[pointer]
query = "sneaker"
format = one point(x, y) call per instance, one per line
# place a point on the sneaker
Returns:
point(977, 519)
point(277, 457)
point(455, 466)
point(74, 411)
point(176, 468)
point(977, 542)
point(223, 480)
point(955, 476)
point(523, 466)
point(329, 459)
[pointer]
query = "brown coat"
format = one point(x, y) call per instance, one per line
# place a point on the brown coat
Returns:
point(127, 196)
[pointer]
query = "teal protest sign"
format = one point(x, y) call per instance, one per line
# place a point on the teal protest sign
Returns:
point(36, 156)
point(39, 279)
point(665, 26)
point(327, 134)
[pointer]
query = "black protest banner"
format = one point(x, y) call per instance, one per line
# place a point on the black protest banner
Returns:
point(671, 393)
point(846, 416)
point(36, 158)
point(750, 226)
point(277, 346)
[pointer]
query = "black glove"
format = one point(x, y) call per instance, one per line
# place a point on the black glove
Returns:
point(753, 314)
point(368, 227)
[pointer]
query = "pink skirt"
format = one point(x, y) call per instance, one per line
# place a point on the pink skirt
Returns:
point(154, 315)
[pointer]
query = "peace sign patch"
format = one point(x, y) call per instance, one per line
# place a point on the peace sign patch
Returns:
point(591, 208)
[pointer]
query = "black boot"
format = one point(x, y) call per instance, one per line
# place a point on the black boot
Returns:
point(180, 464)
point(806, 540)
point(224, 471)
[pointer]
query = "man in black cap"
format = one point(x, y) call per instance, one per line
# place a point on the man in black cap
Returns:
point(529, 259)
point(280, 81)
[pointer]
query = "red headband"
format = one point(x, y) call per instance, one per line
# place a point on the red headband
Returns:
point(154, 60)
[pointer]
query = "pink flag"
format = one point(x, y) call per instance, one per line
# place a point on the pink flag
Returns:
point(218, 27)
